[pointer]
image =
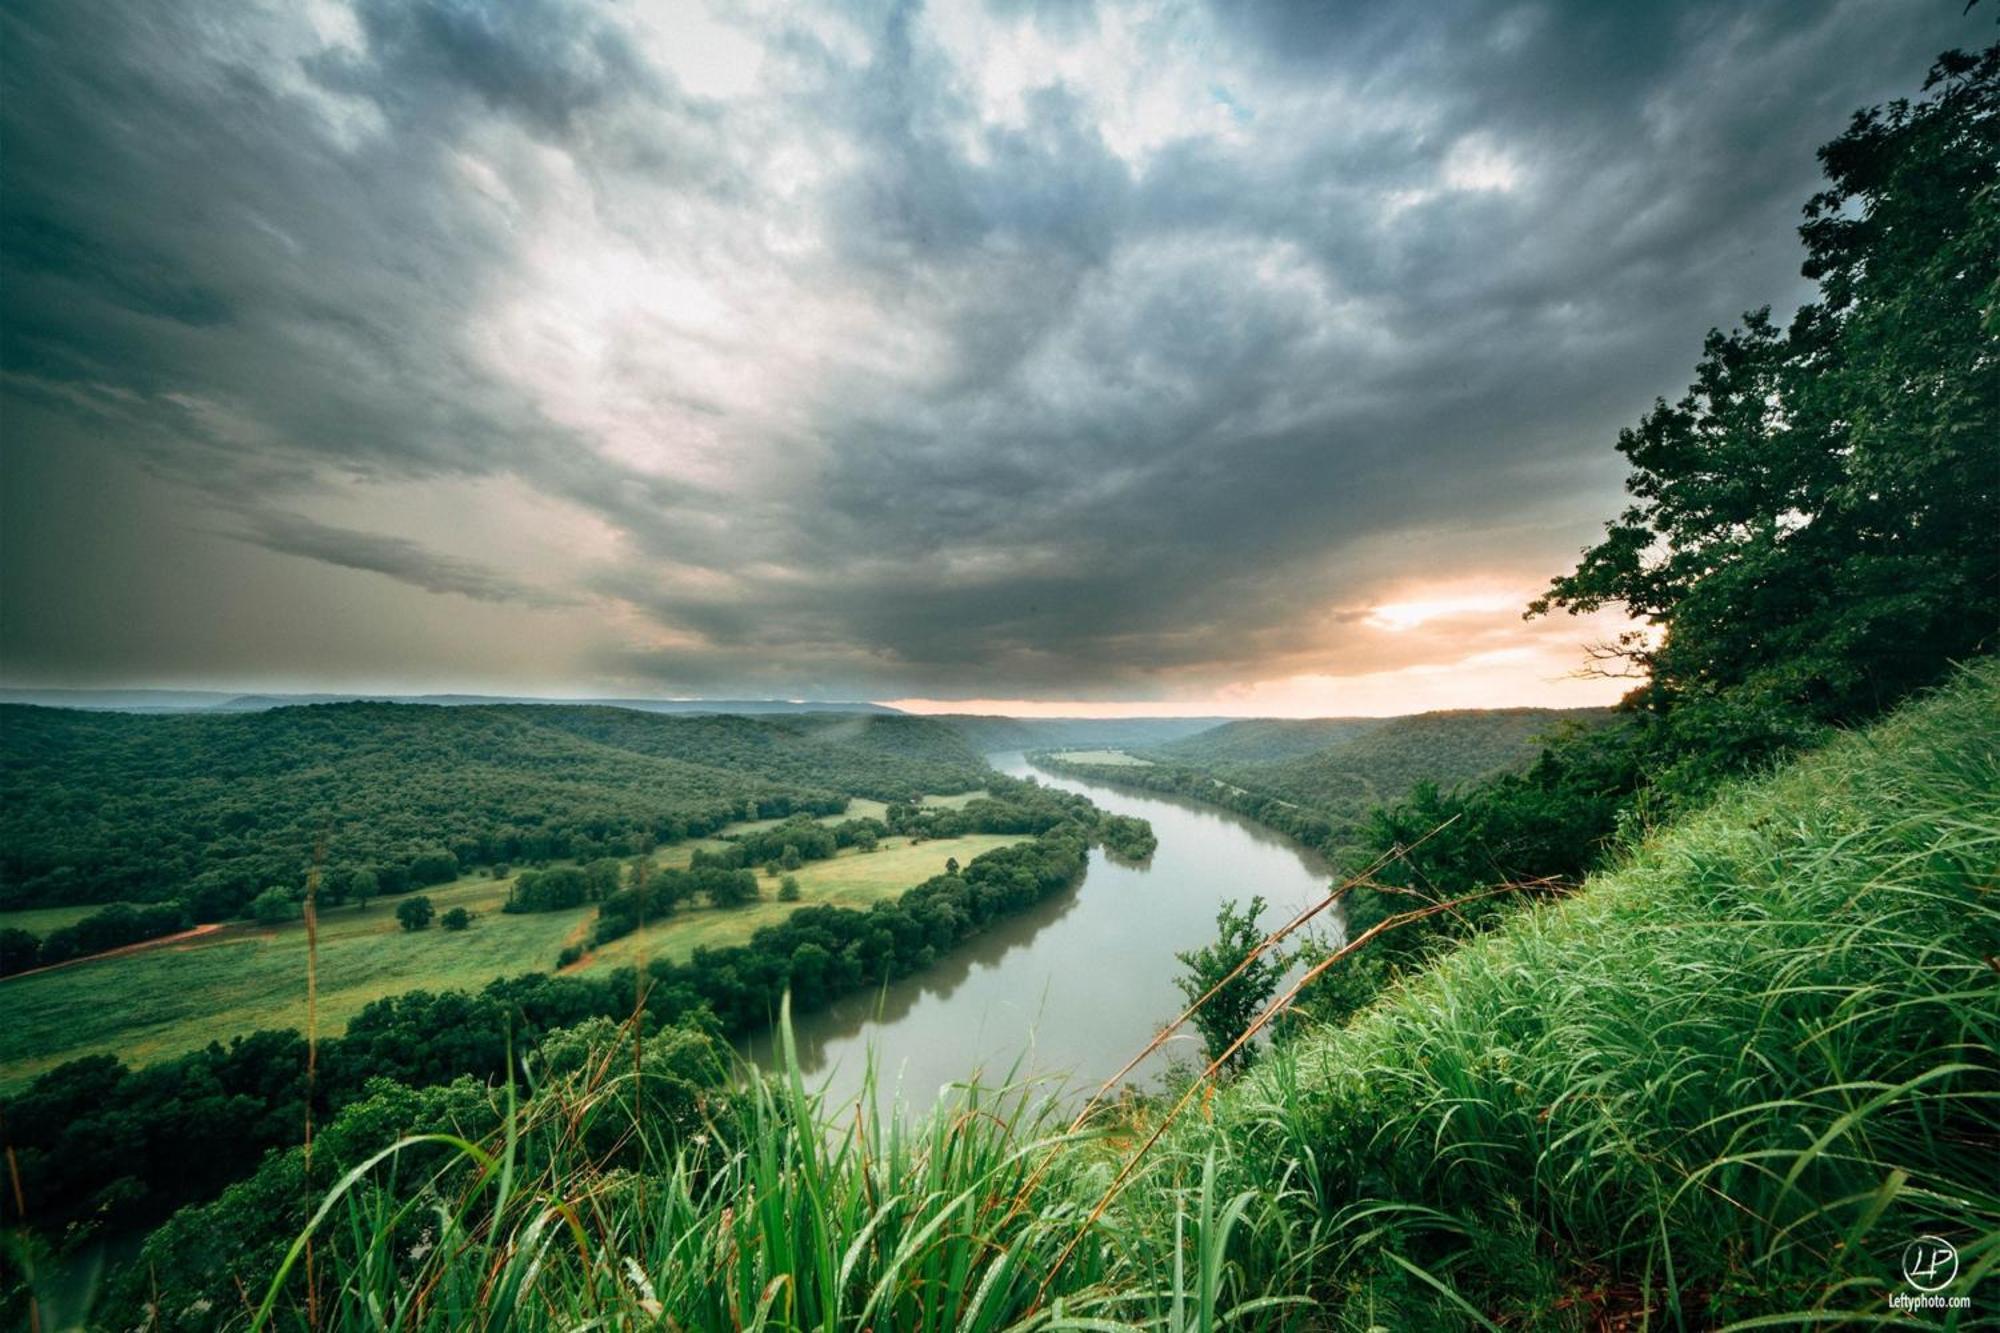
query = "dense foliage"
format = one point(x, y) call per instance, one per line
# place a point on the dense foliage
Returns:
point(1812, 527)
point(99, 1144)
point(656, 894)
point(19, 950)
point(415, 913)
point(1127, 837)
point(1228, 983)
point(561, 887)
point(213, 810)
point(1812, 533)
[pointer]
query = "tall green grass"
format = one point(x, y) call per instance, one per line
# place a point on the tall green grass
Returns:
point(1721, 1086)
point(780, 1213)
point(1729, 1081)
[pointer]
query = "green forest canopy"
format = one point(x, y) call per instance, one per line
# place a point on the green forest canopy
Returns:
point(1383, 762)
point(213, 809)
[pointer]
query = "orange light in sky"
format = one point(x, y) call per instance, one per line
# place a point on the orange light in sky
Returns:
point(1486, 658)
point(1399, 616)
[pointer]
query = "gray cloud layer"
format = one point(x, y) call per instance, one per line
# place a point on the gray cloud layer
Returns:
point(400, 558)
point(1041, 350)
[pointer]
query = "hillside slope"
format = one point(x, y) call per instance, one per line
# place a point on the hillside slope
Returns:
point(1320, 796)
point(989, 734)
point(1263, 740)
point(1734, 1077)
point(1383, 762)
point(98, 806)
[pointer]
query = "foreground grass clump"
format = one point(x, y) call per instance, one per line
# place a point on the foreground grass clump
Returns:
point(1731, 1079)
point(632, 1189)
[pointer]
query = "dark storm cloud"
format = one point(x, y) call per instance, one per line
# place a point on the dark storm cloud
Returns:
point(248, 255)
point(1219, 446)
point(921, 361)
point(543, 61)
point(398, 557)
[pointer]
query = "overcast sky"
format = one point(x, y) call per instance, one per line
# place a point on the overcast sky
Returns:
point(1244, 358)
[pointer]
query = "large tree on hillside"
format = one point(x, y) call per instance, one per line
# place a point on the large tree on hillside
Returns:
point(1813, 527)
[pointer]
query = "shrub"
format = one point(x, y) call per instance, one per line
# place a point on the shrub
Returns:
point(434, 867)
point(18, 950)
point(550, 890)
point(274, 905)
point(733, 889)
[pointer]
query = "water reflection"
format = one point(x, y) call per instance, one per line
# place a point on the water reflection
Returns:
point(1075, 986)
point(818, 1034)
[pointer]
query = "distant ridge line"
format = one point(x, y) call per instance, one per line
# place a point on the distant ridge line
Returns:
point(220, 701)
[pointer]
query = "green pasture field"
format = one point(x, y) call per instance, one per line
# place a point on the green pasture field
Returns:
point(42, 920)
point(858, 807)
point(1109, 758)
point(852, 879)
point(955, 802)
point(161, 1001)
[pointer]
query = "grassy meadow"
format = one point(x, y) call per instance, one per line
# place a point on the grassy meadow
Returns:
point(1106, 758)
point(858, 807)
point(42, 920)
point(852, 879)
point(1728, 1080)
point(158, 1002)
point(161, 1001)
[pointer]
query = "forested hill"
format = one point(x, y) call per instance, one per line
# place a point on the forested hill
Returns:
point(1317, 779)
point(989, 734)
point(198, 701)
point(1372, 764)
point(213, 808)
point(1264, 740)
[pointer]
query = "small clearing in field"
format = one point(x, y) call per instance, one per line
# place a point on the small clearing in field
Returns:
point(1108, 758)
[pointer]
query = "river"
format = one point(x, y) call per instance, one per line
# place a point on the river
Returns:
point(1077, 985)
